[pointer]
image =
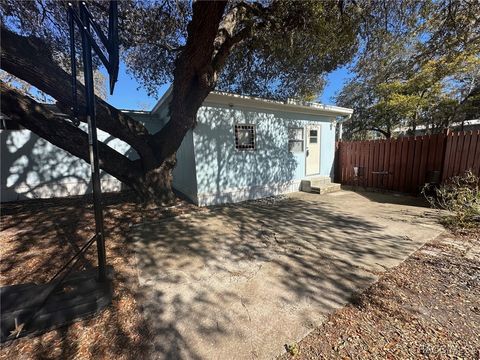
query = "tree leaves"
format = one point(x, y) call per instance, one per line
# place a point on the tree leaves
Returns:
point(418, 65)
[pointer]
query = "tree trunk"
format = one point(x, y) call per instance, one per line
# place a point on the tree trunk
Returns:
point(194, 76)
point(156, 185)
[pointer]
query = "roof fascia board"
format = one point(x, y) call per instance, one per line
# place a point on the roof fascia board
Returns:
point(163, 99)
point(215, 98)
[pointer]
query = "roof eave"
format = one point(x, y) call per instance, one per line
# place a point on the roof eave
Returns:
point(228, 99)
point(163, 99)
point(239, 100)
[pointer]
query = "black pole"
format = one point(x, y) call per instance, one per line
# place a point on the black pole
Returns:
point(93, 144)
point(73, 65)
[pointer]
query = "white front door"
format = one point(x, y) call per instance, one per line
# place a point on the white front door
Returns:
point(312, 162)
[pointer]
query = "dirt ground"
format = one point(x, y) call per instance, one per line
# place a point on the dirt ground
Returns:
point(428, 307)
point(38, 237)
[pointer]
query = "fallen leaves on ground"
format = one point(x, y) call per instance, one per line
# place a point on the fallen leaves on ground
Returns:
point(427, 307)
point(38, 237)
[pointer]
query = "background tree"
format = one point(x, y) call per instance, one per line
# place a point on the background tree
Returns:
point(418, 66)
point(268, 48)
point(385, 63)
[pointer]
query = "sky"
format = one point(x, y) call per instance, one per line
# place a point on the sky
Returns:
point(335, 82)
point(130, 95)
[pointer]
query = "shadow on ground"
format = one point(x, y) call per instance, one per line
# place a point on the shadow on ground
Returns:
point(39, 236)
point(240, 281)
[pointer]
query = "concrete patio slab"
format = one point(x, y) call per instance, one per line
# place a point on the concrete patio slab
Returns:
point(240, 281)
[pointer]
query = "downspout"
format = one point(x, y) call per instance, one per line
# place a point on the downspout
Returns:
point(340, 121)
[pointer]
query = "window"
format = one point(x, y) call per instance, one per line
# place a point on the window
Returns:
point(245, 137)
point(313, 136)
point(295, 139)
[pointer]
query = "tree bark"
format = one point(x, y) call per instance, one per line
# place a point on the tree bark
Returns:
point(386, 133)
point(194, 76)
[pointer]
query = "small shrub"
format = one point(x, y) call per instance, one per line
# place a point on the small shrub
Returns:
point(460, 195)
point(292, 349)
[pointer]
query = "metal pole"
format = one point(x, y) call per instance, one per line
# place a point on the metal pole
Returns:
point(73, 65)
point(93, 144)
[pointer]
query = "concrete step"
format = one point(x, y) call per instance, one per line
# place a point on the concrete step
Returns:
point(326, 188)
point(319, 185)
point(320, 182)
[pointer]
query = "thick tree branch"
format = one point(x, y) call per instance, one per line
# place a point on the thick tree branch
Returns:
point(385, 133)
point(237, 25)
point(28, 59)
point(227, 46)
point(194, 76)
point(44, 123)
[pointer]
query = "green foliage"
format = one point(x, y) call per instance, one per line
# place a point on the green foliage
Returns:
point(419, 65)
point(290, 45)
point(432, 95)
point(293, 349)
point(461, 197)
point(291, 54)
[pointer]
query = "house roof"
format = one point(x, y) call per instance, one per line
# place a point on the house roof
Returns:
point(295, 106)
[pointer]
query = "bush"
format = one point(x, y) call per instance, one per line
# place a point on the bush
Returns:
point(460, 195)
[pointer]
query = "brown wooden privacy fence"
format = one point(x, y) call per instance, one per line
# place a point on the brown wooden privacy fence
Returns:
point(406, 164)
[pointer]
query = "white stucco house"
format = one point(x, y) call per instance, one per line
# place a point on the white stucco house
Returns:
point(242, 148)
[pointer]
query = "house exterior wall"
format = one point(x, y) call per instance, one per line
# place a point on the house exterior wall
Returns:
point(184, 173)
point(32, 168)
point(225, 174)
point(209, 169)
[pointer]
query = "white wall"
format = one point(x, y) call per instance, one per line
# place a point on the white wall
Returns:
point(209, 169)
point(31, 167)
point(225, 174)
point(184, 173)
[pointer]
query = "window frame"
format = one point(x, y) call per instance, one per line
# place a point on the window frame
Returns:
point(310, 136)
point(250, 127)
point(290, 140)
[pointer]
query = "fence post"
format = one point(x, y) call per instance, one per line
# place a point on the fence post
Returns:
point(446, 133)
point(337, 163)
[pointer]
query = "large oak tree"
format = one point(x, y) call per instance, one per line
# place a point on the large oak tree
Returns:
point(277, 49)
